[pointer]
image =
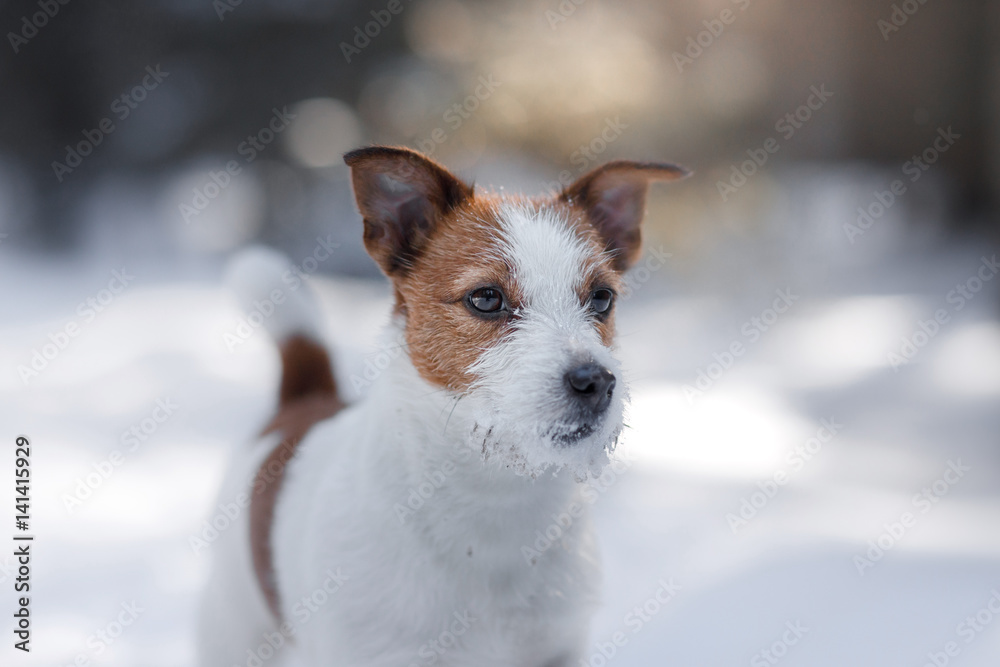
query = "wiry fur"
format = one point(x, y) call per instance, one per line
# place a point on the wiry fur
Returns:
point(518, 396)
point(460, 552)
point(428, 500)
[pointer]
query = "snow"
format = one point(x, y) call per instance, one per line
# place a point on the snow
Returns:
point(692, 461)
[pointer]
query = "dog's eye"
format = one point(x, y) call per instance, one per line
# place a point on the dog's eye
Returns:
point(487, 300)
point(601, 300)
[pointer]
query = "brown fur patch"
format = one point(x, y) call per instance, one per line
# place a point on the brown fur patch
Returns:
point(308, 395)
point(305, 370)
point(432, 234)
point(443, 337)
point(614, 198)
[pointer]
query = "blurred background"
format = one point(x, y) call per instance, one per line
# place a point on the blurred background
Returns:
point(840, 231)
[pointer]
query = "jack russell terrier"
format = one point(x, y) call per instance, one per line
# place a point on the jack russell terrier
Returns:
point(393, 532)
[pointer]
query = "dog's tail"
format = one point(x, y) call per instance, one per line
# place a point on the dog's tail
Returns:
point(265, 284)
point(268, 289)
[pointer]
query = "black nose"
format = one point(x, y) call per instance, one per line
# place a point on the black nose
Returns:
point(591, 384)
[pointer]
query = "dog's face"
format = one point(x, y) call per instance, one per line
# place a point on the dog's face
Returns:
point(508, 301)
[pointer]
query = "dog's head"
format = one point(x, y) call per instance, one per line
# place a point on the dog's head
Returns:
point(509, 301)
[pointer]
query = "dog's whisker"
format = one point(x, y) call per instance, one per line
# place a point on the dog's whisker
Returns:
point(448, 420)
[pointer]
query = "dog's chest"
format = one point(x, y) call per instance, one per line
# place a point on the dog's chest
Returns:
point(442, 581)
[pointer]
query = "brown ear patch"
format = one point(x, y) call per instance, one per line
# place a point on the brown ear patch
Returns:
point(402, 196)
point(614, 199)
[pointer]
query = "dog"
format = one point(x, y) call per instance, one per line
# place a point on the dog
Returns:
point(404, 530)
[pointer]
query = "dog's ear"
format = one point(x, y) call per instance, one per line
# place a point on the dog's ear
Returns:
point(402, 195)
point(614, 199)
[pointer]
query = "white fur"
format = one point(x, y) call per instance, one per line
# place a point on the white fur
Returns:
point(519, 394)
point(471, 553)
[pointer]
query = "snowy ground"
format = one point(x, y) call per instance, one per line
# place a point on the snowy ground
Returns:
point(791, 560)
